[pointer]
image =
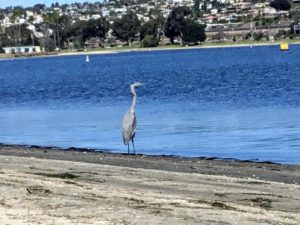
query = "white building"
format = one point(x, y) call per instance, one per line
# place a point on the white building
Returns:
point(6, 22)
point(213, 11)
point(95, 16)
point(38, 19)
point(22, 49)
point(269, 10)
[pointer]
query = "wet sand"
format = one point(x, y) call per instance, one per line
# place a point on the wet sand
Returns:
point(51, 186)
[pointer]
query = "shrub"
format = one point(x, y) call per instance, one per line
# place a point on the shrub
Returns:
point(150, 41)
point(77, 42)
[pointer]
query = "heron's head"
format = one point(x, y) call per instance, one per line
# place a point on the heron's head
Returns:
point(136, 84)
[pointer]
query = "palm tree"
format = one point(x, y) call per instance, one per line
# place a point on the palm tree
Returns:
point(15, 17)
point(52, 21)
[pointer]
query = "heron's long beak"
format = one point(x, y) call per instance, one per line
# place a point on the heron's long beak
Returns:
point(139, 84)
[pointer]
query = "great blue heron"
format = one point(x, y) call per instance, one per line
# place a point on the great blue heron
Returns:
point(129, 119)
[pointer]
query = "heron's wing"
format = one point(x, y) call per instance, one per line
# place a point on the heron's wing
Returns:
point(128, 126)
point(134, 126)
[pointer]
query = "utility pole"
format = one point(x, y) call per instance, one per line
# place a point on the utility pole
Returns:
point(58, 38)
point(299, 28)
point(19, 34)
point(251, 31)
point(32, 38)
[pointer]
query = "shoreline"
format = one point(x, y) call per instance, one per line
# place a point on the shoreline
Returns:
point(264, 170)
point(107, 151)
point(162, 48)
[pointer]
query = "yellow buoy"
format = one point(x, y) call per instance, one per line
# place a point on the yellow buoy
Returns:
point(284, 46)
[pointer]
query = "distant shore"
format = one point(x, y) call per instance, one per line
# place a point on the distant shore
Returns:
point(159, 48)
point(174, 47)
point(52, 186)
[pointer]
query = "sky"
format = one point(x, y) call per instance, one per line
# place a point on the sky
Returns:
point(28, 3)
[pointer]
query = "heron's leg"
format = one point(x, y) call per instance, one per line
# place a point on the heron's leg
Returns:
point(128, 148)
point(133, 145)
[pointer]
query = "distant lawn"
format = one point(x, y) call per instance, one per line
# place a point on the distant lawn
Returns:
point(177, 46)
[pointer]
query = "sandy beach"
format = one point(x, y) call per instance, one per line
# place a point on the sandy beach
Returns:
point(52, 186)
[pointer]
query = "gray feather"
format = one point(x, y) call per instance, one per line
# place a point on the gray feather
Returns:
point(128, 126)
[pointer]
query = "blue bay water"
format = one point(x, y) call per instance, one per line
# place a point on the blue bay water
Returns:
point(227, 102)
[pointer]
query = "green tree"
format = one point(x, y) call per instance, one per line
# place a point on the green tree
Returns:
point(74, 33)
point(52, 21)
point(30, 19)
point(5, 41)
point(38, 8)
point(196, 8)
point(155, 12)
point(81, 31)
point(65, 25)
point(173, 28)
point(147, 28)
point(18, 11)
point(294, 15)
point(281, 34)
point(152, 27)
point(95, 28)
point(204, 7)
point(280, 5)
point(150, 41)
point(192, 32)
point(26, 35)
point(55, 5)
point(25, 38)
point(127, 27)
point(77, 42)
point(2, 14)
point(181, 24)
point(15, 31)
point(48, 44)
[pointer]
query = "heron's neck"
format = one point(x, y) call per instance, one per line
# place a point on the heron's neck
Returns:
point(133, 97)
